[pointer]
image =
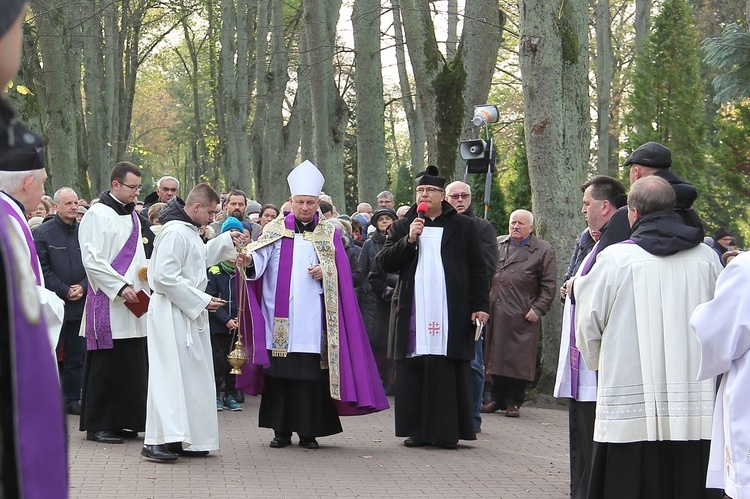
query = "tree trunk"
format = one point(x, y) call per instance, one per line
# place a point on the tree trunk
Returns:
point(604, 70)
point(372, 173)
point(451, 40)
point(58, 74)
point(553, 53)
point(413, 113)
point(642, 16)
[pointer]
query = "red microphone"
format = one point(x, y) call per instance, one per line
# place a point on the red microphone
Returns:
point(421, 209)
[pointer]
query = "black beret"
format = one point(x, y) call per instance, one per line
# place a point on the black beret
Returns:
point(651, 154)
point(430, 177)
point(380, 212)
point(9, 11)
point(20, 149)
point(721, 233)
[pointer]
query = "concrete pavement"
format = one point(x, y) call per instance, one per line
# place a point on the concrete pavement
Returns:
point(512, 458)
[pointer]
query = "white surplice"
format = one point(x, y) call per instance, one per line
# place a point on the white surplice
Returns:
point(723, 329)
point(586, 377)
point(305, 305)
point(53, 308)
point(430, 296)
point(181, 404)
point(102, 233)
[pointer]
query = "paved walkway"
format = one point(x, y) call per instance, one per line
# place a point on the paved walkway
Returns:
point(526, 457)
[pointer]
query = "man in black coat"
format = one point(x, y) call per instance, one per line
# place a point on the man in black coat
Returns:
point(60, 257)
point(443, 292)
point(458, 194)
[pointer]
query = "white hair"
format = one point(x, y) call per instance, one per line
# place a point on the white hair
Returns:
point(58, 193)
point(158, 184)
point(11, 182)
point(449, 188)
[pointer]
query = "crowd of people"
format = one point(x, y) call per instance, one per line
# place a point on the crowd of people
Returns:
point(123, 312)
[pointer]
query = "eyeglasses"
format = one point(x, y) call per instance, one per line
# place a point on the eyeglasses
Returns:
point(459, 196)
point(428, 190)
point(136, 188)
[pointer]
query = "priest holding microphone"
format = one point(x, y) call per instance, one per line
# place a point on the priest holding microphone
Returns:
point(441, 297)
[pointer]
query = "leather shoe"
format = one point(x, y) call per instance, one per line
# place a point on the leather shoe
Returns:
point(73, 408)
point(490, 407)
point(512, 412)
point(308, 443)
point(104, 437)
point(280, 442)
point(176, 448)
point(414, 442)
point(158, 452)
point(126, 433)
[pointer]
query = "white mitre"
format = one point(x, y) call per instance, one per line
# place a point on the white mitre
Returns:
point(305, 180)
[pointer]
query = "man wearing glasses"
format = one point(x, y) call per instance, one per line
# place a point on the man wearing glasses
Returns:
point(442, 294)
point(113, 403)
point(458, 195)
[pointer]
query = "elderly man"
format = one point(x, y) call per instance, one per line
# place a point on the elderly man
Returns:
point(602, 196)
point(181, 411)
point(32, 426)
point(113, 404)
point(653, 419)
point(458, 194)
point(385, 200)
point(320, 364)
point(365, 209)
point(649, 159)
point(522, 291)
point(166, 188)
point(442, 300)
point(60, 256)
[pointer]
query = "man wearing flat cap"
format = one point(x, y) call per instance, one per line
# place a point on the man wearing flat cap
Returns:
point(443, 294)
point(653, 158)
point(307, 332)
point(32, 425)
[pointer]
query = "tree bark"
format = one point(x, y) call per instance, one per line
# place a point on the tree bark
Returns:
point(642, 21)
point(451, 40)
point(604, 70)
point(554, 66)
point(372, 174)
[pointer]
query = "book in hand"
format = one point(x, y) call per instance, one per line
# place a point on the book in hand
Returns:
point(141, 307)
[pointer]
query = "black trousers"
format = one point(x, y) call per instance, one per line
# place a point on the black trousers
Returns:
point(73, 346)
point(581, 417)
point(221, 345)
point(508, 391)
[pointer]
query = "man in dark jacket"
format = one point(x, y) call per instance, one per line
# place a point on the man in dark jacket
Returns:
point(442, 295)
point(60, 257)
point(458, 194)
point(653, 158)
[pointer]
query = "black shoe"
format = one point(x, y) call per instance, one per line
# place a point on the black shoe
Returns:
point(126, 433)
point(104, 437)
point(477, 429)
point(158, 452)
point(176, 448)
point(390, 390)
point(73, 408)
point(239, 396)
point(447, 445)
point(414, 442)
point(280, 442)
point(308, 443)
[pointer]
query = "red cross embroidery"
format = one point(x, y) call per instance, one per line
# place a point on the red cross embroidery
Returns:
point(433, 328)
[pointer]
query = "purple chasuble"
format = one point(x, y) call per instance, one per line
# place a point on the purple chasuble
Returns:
point(39, 422)
point(360, 386)
point(98, 325)
point(34, 260)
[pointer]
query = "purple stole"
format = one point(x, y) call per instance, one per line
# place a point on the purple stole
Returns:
point(40, 446)
point(98, 325)
point(360, 388)
point(34, 260)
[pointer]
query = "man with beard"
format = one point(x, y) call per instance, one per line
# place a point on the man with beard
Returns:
point(234, 206)
point(113, 403)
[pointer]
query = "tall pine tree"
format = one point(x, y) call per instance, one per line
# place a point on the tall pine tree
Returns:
point(667, 101)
